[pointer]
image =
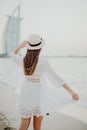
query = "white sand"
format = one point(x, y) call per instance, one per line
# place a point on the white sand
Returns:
point(69, 118)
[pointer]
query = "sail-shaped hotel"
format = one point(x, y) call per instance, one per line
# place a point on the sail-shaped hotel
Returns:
point(12, 32)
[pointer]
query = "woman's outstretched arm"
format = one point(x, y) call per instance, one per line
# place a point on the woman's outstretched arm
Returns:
point(72, 93)
point(57, 81)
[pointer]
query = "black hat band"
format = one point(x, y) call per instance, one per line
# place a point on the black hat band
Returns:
point(35, 44)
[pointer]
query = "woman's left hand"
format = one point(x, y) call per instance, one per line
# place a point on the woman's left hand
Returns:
point(23, 44)
point(75, 96)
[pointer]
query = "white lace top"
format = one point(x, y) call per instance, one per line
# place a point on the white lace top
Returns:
point(46, 94)
point(42, 66)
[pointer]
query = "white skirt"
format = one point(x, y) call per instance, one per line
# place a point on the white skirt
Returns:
point(40, 98)
point(29, 99)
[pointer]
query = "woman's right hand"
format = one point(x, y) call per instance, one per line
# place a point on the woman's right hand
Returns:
point(23, 44)
point(75, 96)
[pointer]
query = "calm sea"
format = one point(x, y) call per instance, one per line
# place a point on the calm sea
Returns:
point(72, 70)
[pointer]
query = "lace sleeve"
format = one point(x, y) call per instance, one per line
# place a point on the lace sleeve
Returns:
point(18, 59)
point(52, 76)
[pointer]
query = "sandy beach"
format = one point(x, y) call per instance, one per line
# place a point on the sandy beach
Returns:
point(71, 117)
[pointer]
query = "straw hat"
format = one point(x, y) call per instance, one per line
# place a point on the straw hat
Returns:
point(35, 42)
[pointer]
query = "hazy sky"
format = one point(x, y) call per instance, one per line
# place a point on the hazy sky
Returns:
point(62, 23)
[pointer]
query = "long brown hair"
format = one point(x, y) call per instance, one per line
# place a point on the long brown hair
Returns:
point(30, 61)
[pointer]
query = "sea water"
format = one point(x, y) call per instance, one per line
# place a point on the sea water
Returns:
point(72, 70)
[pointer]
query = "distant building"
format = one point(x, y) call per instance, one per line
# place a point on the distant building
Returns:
point(12, 32)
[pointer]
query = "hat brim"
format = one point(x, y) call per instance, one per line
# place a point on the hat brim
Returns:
point(36, 47)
